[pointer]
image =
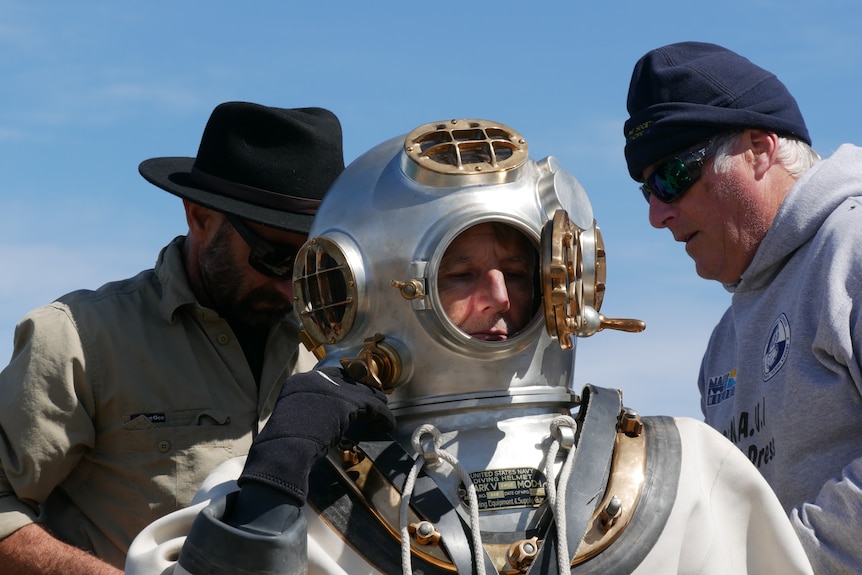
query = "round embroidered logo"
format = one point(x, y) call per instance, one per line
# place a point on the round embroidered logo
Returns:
point(777, 347)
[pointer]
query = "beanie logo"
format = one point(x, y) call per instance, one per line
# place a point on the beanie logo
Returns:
point(777, 347)
point(637, 131)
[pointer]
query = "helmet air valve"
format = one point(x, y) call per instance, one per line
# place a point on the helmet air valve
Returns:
point(377, 365)
point(573, 282)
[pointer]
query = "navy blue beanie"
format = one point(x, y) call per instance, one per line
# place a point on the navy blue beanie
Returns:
point(683, 94)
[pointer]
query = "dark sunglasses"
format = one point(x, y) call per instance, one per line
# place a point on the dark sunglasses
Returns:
point(673, 177)
point(267, 258)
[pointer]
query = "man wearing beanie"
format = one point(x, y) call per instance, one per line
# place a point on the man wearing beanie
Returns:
point(118, 402)
point(725, 162)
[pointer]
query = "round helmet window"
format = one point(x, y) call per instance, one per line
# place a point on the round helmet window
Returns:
point(487, 279)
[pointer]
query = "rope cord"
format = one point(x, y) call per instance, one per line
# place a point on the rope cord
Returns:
point(563, 430)
point(431, 459)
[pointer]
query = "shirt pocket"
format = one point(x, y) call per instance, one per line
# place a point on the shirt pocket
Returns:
point(173, 452)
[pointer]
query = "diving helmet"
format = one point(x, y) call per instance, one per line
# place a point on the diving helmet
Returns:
point(367, 287)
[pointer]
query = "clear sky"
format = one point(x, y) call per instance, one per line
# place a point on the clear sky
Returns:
point(91, 88)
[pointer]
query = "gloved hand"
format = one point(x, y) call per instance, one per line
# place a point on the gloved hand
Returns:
point(312, 413)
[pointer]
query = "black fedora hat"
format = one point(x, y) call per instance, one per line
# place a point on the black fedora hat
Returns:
point(269, 165)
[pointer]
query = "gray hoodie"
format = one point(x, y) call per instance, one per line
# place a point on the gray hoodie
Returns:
point(782, 375)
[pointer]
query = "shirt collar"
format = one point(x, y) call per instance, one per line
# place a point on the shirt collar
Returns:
point(176, 290)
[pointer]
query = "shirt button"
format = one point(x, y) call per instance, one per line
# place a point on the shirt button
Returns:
point(223, 338)
point(164, 446)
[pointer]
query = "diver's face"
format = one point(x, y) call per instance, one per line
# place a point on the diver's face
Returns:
point(485, 281)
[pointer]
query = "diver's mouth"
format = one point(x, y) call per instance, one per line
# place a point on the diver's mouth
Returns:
point(490, 336)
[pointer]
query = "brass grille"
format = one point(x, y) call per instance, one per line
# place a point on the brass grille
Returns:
point(466, 147)
point(324, 290)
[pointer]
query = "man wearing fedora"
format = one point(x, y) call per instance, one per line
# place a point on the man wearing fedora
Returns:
point(118, 402)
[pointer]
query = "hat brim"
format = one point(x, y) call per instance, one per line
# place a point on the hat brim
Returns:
point(173, 174)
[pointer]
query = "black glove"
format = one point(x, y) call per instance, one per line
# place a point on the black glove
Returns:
point(313, 411)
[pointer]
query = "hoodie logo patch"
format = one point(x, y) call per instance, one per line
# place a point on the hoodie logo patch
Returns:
point(721, 388)
point(777, 347)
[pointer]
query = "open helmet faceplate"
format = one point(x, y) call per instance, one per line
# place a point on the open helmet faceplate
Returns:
point(366, 287)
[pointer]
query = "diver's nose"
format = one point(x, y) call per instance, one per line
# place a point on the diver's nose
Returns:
point(495, 294)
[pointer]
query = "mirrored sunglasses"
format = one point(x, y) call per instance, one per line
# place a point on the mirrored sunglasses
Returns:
point(673, 177)
point(269, 259)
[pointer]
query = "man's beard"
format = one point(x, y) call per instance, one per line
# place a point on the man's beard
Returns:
point(224, 284)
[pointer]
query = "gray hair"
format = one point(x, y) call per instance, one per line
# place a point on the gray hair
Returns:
point(795, 155)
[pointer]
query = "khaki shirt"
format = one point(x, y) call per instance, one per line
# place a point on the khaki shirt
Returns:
point(118, 403)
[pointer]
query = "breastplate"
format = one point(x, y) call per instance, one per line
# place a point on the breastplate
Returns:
point(619, 496)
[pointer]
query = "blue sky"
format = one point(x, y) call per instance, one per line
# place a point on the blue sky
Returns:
point(92, 88)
